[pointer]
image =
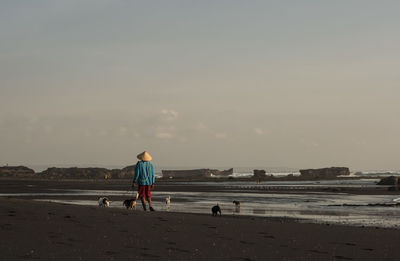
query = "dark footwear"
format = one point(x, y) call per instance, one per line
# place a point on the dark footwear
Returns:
point(152, 209)
point(144, 208)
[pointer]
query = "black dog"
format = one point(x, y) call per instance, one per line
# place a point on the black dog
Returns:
point(215, 210)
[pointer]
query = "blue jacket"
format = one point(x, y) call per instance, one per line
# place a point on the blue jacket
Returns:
point(144, 173)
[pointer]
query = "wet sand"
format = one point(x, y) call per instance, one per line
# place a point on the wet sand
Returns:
point(49, 231)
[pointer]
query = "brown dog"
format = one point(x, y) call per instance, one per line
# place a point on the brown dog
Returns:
point(131, 203)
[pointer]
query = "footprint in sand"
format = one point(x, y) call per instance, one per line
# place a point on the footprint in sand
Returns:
point(318, 251)
point(148, 255)
point(30, 255)
point(343, 257)
point(6, 226)
point(178, 249)
point(64, 243)
point(266, 235)
point(246, 243)
point(110, 253)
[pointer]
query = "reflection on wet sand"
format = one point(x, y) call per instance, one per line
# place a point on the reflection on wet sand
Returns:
point(237, 209)
point(259, 211)
point(315, 207)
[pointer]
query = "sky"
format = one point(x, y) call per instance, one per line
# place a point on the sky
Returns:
point(298, 84)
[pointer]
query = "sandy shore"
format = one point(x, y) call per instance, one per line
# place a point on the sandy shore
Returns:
point(49, 231)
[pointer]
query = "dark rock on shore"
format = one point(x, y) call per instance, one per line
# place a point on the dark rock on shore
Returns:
point(259, 173)
point(88, 173)
point(16, 171)
point(328, 173)
point(74, 172)
point(196, 173)
point(391, 180)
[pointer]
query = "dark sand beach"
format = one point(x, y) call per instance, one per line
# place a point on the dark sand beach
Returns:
point(50, 231)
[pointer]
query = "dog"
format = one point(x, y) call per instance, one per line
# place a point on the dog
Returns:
point(237, 206)
point(215, 210)
point(104, 202)
point(237, 203)
point(131, 203)
point(168, 201)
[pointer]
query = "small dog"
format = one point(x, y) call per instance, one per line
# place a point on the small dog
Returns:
point(215, 210)
point(104, 202)
point(168, 201)
point(237, 206)
point(131, 203)
point(237, 203)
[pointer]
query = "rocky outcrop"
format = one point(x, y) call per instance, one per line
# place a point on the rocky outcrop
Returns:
point(391, 180)
point(259, 173)
point(16, 171)
point(125, 173)
point(196, 173)
point(77, 173)
point(88, 173)
point(324, 173)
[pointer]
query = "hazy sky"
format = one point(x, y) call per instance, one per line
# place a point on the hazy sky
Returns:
point(300, 84)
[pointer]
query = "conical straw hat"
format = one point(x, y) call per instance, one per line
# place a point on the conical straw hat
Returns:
point(144, 156)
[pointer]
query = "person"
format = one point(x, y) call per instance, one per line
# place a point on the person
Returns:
point(144, 177)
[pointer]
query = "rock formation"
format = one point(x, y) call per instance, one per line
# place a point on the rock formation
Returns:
point(259, 173)
point(324, 173)
point(196, 173)
point(88, 173)
point(74, 172)
point(391, 180)
point(16, 171)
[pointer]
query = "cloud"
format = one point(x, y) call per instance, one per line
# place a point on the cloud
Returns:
point(33, 119)
point(259, 131)
point(48, 129)
point(122, 131)
point(169, 115)
point(164, 135)
point(165, 130)
point(221, 135)
point(200, 126)
point(309, 143)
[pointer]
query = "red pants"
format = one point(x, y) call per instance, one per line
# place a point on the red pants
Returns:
point(144, 191)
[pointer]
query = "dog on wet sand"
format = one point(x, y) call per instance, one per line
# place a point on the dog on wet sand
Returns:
point(237, 203)
point(215, 210)
point(104, 202)
point(131, 203)
point(237, 206)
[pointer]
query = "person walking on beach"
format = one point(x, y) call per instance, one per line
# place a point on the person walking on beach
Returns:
point(144, 178)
